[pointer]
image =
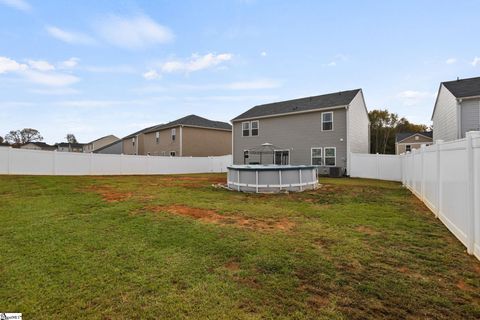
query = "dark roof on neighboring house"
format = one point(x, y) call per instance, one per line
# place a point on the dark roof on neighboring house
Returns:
point(42, 145)
point(3, 144)
point(404, 135)
point(193, 121)
point(324, 101)
point(138, 132)
point(463, 88)
point(73, 145)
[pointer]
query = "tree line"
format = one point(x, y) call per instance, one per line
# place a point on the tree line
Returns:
point(383, 128)
point(27, 135)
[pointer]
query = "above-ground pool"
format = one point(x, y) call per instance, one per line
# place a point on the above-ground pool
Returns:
point(272, 178)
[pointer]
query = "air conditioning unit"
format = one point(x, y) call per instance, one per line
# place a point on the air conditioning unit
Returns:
point(336, 172)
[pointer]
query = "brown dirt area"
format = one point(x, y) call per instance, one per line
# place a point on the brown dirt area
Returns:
point(211, 216)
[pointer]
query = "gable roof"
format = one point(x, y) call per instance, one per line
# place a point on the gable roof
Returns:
point(404, 135)
point(464, 88)
point(138, 132)
point(107, 136)
point(42, 145)
point(194, 121)
point(108, 145)
point(324, 101)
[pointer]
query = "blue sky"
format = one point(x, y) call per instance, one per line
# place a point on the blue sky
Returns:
point(94, 68)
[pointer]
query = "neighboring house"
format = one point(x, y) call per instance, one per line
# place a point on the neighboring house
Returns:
point(115, 147)
point(320, 130)
point(407, 141)
point(133, 143)
point(99, 143)
point(457, 109)
point(38, 146)
point(190, 136)
point(3, 144)
point(69, 147)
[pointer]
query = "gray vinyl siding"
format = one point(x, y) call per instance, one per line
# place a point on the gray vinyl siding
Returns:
point(359, 125)
point(116, 148)
point(470, 115)
point(297, 132)
point(445, 121)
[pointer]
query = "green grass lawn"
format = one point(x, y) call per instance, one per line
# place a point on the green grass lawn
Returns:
point(175, 247)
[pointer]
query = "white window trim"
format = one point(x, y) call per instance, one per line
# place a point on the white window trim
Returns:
point(258, 128)
point(324, 156)
point(157, 137)
point(173, 133)
point(274, 155)
point(321, 123)
point(321, 156)
point(249, 129)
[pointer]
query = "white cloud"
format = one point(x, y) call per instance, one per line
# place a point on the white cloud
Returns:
point(412, 97)
point(40, 65)
point(9, 65)
point(476, 61)
point(195, 63)
point(17, 4)
point(451, 61)
point(69, 64)
point(133, 32)
point(331, 64)
point(69, 36)
point(263, 53)
point(151, 75)
point(50, 79)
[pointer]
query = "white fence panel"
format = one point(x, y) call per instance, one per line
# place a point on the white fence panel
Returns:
point(476, 188)
point(36, 162)
point(376, 166)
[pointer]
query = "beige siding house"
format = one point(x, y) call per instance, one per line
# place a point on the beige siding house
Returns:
point(320, 130)
point(99, 143)
point(407, 141)
point(190, 136)
point(457, 109)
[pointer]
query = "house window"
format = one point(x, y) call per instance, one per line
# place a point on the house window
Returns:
point(327, 121)
point(174, 134)
point(317, 159)
point(172, 153)
point(254, 126)
point(330, 156)
point(408, 148)
point(417, 137)
point(133, 142)
point(245, 129)
point(157, 137)
point(282, 157)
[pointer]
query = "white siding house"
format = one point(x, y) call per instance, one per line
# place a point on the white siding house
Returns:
point(457, 109)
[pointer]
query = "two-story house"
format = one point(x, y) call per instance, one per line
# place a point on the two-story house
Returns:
point(99, 143)
point(190, 136)
point(457, 109)
point(320, 130)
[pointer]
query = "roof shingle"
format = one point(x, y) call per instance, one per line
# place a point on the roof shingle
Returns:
point(324, 101)
point(193, 120)
point(464, 88)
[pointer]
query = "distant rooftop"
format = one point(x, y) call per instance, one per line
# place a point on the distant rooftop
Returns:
point(403, 135)
point(195, 121)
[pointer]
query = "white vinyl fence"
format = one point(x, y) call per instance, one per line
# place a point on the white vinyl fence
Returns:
point(36, 162)
point(445, 176)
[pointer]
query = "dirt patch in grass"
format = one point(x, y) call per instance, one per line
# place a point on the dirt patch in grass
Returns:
point(366, 230)
point(211, 216)
point(232, 266)
point(109, 194)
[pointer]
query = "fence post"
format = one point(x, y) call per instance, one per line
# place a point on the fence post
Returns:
point(422, 182)
point(54, 162)
point(377, 165)
point(439, 179)
point(91, 163)
point(9, 160)
point(470, 192)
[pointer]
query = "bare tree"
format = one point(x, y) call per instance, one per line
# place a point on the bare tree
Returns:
point(1, 139)
point(23, 136)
